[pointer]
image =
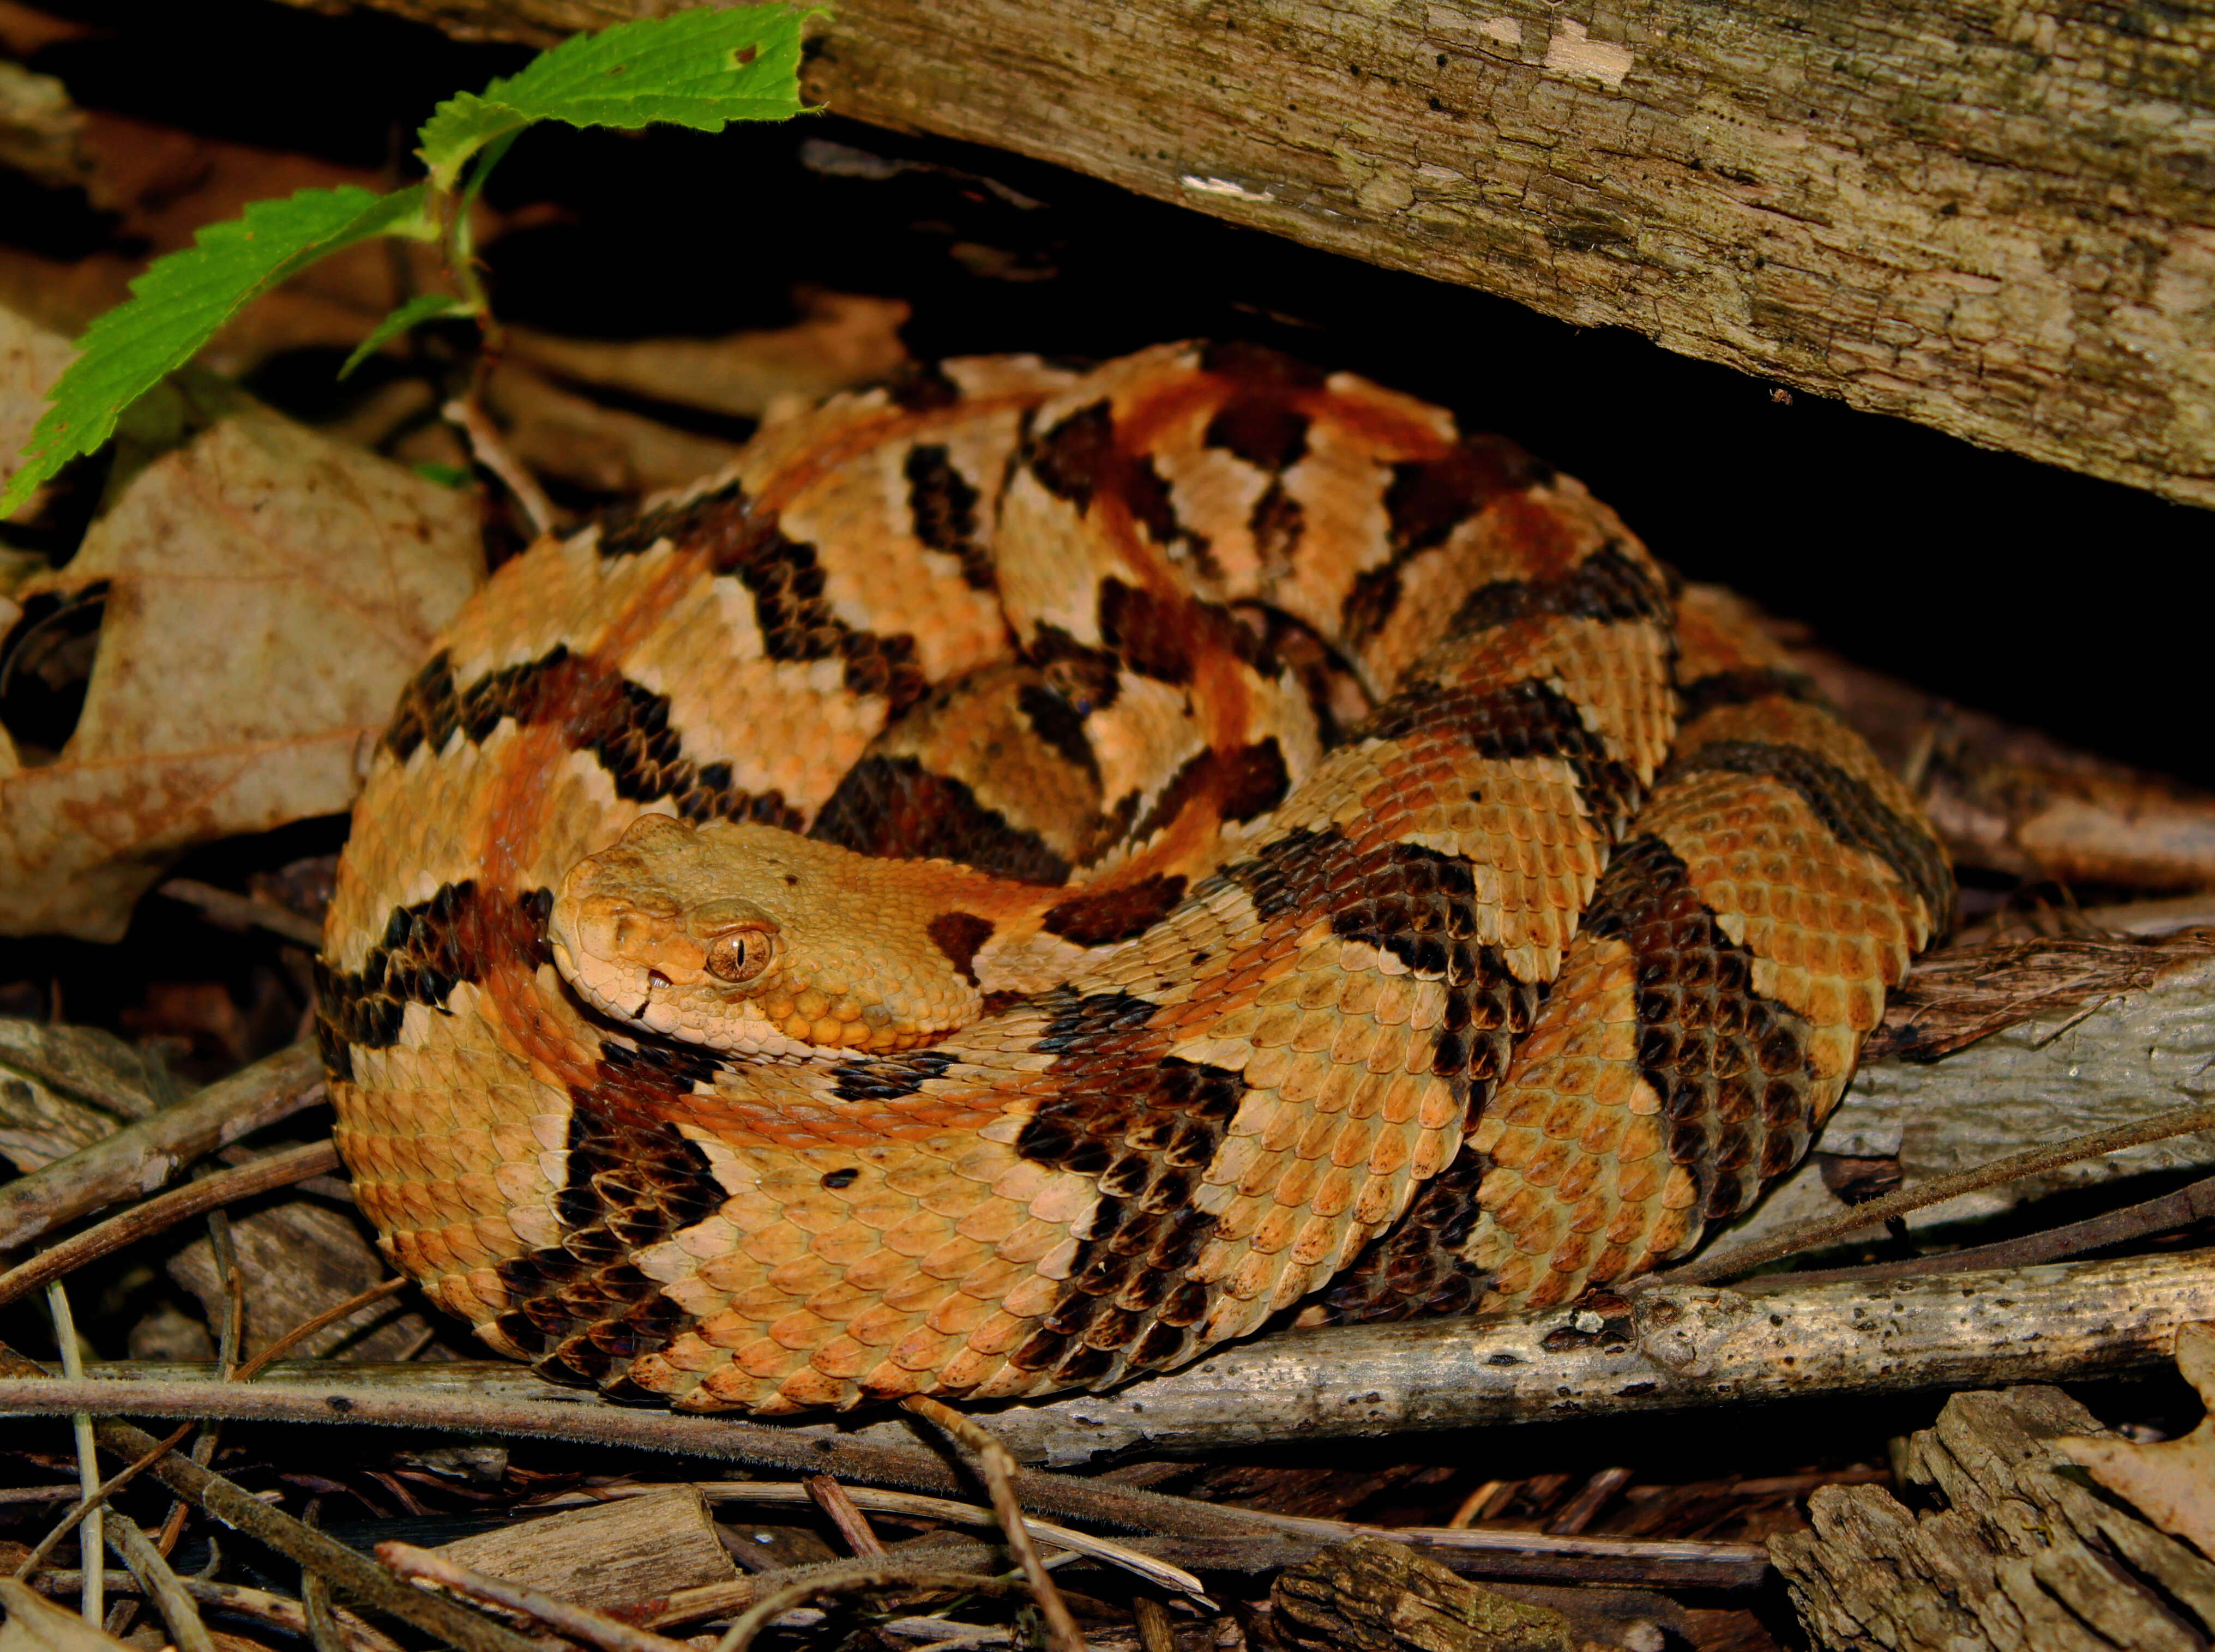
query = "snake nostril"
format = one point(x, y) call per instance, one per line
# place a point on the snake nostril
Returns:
point(655, 979)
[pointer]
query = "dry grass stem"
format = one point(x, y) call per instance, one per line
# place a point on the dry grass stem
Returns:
point(151, 1569)
point(242, 910)
point(855, 1576)
point(279, 1612)
point(1159, 1572)
point(577, 1623)
point(490, 450)
point(1062, 1634)
point(87, 1505)
point(1808, 1236)
point(840, 1510)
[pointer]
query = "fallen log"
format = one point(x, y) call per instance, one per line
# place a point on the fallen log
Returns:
point(1993, 220)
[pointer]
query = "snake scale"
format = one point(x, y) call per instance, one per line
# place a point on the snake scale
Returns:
point(1037, 870)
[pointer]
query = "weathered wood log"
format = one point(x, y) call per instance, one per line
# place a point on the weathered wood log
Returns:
point(1994, 219)
point(2014, 1555)
point(1372, 1596)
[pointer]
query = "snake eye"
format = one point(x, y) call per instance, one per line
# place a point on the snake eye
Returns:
point(741, 954)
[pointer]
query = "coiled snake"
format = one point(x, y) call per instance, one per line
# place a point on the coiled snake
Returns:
point(1325, 858)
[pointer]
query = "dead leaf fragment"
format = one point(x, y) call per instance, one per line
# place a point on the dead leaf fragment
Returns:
point(267, 592)
point(37, 1625)
point(41, 132)
point(843, 341)
point(30, 358)
point(2172, 1481)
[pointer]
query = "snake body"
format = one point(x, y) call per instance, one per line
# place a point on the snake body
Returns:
point(1418, 904)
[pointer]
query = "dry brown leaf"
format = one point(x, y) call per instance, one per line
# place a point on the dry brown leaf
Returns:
point(37, 1625)
point(574, 439)
point(269, 592)
point(30, 358)
point(41, 132)
point(2172, 1481)
point(843, 341)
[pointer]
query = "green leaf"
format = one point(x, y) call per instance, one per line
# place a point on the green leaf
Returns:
point(445, 475)
point(697, 69)
point(424, 306)
point(181, 300)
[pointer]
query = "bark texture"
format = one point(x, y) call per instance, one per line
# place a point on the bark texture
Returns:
point(1995, 217)
point(2013, 1555)
point(1369, 1595)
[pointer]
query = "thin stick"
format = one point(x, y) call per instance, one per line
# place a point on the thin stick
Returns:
point(194, 1199)
point(491, 451)
point(152, 1570)
point(141, 1157)
point(240, 1509)
point(1153, 1617)
point(2194, 1202)
point(1158, 1572)
point(85, 1506)
point(274, 1609)
point(839, 1509)
point(243, 910)
point(89, 1601)
point(1808, 1236)
point(570, 1419)
point(578, 1623)
point(307, 1328)
point(1062, 1634)
point(859, 1575)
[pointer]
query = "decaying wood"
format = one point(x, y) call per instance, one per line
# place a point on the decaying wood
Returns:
point(296, 1259)
point(579, 1623)
point(1673, 1347)
point(140, 1158)
point(607, 1556)
point(2013, 1555)
point(1992, 219)
point(2010, 800)
point(2118, 1032)
point(1371, 1596)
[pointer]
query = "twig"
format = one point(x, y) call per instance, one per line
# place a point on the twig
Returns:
point(2194, 1202)
point(85, 1506)
point(1154, 1632)
point(859, 1575)
point(1592, 1496)
point(1062, 1634)
point(578, 1623)
point(839, 1509)
point(141, 1157)
point(194, 1199)
point(491, 452)
point(90, 1602)
point(307, 1328)
point(235, 1506)
point(243, 910)
point(259, 1604)
point(941, 1508)
point(1808, 1236)
point(39, 1493)
point(564, 1414)
point(149, 1566)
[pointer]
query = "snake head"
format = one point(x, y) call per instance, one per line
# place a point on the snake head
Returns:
point(759, 942)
